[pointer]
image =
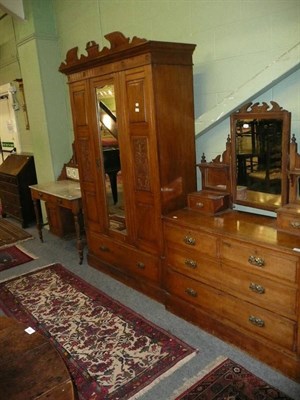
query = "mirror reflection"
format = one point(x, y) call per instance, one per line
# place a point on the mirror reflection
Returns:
point(258, 156)
point(108, 129)
point(260, 137)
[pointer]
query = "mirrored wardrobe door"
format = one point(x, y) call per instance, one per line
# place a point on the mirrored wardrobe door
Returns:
point(110, 151)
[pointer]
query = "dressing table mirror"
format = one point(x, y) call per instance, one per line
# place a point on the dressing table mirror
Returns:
point(260, 136)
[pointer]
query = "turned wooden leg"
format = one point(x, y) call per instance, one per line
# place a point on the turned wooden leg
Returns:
point(39, 224)
point(79, 243)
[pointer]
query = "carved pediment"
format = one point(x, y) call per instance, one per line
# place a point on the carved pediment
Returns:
point(260, 108)
point(118, 42)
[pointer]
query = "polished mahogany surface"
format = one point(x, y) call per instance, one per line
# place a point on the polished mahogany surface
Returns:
point(30, 367)
point(252, 227)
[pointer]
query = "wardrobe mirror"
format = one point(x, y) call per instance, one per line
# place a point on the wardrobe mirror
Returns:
point(260, 136)
point(109, 144)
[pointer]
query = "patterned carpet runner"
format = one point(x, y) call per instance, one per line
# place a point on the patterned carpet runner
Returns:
point(11, 233)
point(230, 381)
point(111, 351)
point(13, 256)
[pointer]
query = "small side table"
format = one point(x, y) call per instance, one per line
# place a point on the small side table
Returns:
point(64, 193)
point(30, 367)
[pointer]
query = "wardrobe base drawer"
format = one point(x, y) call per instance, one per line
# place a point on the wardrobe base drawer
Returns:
point(123, 256)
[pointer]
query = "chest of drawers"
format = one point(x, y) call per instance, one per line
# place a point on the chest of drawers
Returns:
point(17, 172)
point(238, 277)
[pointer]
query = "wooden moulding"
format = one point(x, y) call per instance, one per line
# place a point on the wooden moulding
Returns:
point(122, 48)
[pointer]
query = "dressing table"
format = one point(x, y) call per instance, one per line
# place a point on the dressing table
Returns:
point(233, 273)
point(64, 194)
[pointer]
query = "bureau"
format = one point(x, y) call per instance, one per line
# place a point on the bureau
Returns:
point(16, 174)
point(237, 277)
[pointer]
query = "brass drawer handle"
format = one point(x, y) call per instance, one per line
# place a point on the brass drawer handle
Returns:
point(256, 288)
point(189, 240)
point(104, 248)
point(258, 261)
point(191, 292)
point(141, 265)
point(257, 321)
point(295, 224)
point(200, 205)
point(191, 263)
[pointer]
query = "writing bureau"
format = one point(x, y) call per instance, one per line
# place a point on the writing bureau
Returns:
point(16, 174)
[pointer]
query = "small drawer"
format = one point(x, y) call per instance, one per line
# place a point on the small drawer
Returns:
point(261, 291)
point(10, 199)
point(189, 239)
point(194, 292)
point(259, 321)
point(8, 187)
point(259, 260)
point(9, 179)
point(129, 259)
point(208, 202)
point(288, 219)
point(194, 265)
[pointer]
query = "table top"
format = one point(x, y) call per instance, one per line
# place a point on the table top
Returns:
point(65, 189)
point(30, 367)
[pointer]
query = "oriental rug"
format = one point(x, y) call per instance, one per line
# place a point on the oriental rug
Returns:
point(11, 233)
point(111, 351)
point(228, 380)
point(13, 256)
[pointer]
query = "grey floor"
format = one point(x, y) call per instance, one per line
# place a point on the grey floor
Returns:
point(209, 347)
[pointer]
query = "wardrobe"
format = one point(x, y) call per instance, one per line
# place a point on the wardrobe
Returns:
point(133, 118)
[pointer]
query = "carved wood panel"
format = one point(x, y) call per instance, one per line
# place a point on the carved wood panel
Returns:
point(141, 163)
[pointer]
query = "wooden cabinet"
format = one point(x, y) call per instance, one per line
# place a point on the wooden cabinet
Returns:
point(16, 174)
point(236, 276)
point(139, 94)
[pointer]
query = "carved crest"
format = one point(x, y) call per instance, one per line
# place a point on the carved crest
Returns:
point(117, 42)
point(259, 108)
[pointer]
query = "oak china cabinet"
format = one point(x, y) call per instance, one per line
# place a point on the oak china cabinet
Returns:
point(133, 117)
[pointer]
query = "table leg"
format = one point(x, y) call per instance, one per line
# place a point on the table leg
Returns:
point(79, 243)
point(38, 219)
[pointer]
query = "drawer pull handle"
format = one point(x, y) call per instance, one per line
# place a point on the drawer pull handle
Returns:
point(41, 195)
point(104, 248)
point(189, 240)
point(199, 205)
point(59, 201)
point(257, 321)
point(256, 288)
point(191, 292)
point(258, 261)
point(191, 263)
point(141, 265)
point(295, 224)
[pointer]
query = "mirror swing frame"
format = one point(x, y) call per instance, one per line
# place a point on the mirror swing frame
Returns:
point(220, 175)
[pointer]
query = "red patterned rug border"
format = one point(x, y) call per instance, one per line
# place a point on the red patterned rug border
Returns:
point(16, 255)
point(210, 377)
point(116, 307)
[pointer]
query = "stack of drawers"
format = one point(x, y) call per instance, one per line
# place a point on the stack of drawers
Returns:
point(238, 279)
point(16, 174)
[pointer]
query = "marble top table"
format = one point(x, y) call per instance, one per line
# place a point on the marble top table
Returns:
point(64, 193)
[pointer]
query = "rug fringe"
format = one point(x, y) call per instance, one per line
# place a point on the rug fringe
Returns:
point(190, 382)
point(28, 253)
point(15, 243)
point(164, 375)
point(26, 273)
